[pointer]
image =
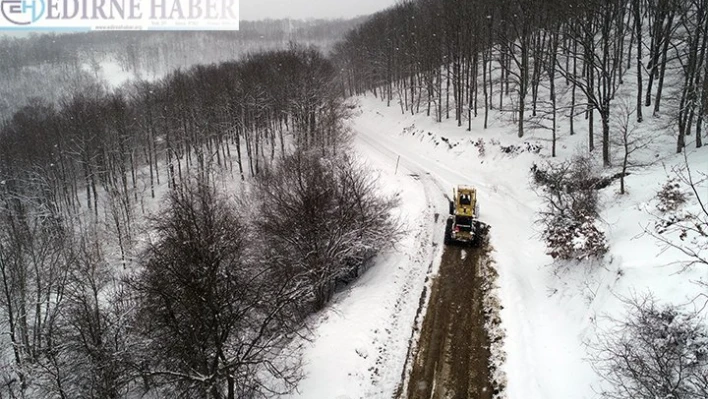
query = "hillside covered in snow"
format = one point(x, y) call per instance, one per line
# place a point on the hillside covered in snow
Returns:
point(581, 124)
point(272, 224)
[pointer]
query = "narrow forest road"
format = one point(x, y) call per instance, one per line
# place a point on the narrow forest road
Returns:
point(451, 357)
point(453, 351)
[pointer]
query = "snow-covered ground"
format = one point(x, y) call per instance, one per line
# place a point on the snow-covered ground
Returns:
point(549, 310)
point(360, 343)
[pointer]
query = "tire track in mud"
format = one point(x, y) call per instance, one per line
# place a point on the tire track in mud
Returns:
point(449, 349)
point(431, 246)
point(452, 360)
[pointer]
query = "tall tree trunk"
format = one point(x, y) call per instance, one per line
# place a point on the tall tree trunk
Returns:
point(487, 98)
point(654, 51)
point(574, 88)
point(638, 28)
point(605, 116)
point(662, 73)
point(591, 129)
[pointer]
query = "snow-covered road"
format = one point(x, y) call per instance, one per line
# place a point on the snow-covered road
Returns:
point(447, 157)
point(449, 350)
point(361, 343)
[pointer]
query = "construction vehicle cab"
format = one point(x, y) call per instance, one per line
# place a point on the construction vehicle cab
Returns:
point(462, 224)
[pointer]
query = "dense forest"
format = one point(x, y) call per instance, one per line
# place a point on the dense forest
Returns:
point(459, 58)
point(170, 238)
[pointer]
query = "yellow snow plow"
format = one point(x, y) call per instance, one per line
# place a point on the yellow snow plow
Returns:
point(463, 225)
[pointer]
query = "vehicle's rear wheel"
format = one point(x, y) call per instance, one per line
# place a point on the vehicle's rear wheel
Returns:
point(480, 233)
point(448, 232)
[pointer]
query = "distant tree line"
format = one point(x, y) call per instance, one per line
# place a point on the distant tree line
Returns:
point(54, 65)
point(178, 48)
point(458, 58)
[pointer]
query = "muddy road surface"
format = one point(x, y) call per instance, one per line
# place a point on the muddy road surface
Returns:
point(453, 351)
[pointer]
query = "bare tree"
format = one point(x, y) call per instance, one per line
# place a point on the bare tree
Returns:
point(213, 320)
point(33, 274)
point(89, 352)
point(654, 351)
point(323, 220)
point(570, 218)
point(599, 34)
point(686, 231)
point(630, 142)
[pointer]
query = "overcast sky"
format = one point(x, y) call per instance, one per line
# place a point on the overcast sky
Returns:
point(297, 9)
point(303, 9)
